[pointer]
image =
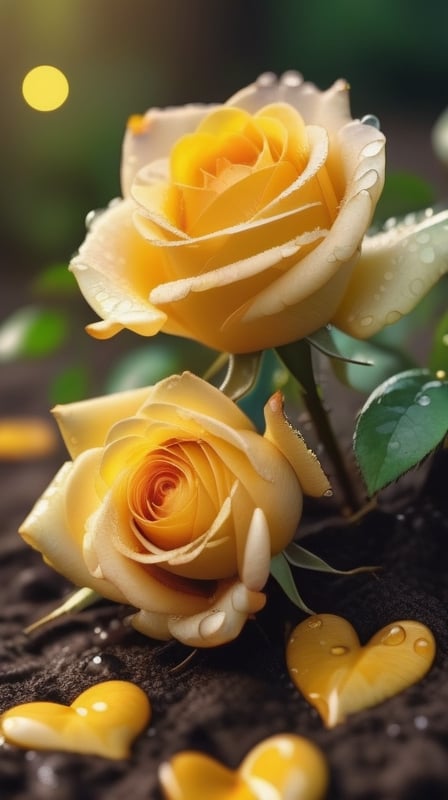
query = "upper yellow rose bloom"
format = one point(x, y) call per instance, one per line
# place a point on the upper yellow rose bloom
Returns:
point(243, 225)
point(174, 504)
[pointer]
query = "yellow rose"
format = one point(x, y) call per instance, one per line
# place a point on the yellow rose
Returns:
point(241, 224)
point(175, 505)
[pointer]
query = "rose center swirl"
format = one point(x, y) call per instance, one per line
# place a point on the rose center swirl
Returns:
point(175, 494)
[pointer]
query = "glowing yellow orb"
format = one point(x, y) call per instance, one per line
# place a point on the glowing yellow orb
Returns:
point(45, 88)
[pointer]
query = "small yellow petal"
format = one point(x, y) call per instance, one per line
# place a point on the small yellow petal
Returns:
point(26, 437)
point(305, 463)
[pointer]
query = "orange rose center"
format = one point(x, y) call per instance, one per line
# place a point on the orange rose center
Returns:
point(175, 493)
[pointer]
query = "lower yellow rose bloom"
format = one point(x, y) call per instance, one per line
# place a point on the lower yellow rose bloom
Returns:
point(174, 504)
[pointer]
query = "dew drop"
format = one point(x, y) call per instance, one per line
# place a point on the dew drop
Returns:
point(266, 79)
point(416, 287)
point(390, 223)
point(372, 149)
point(338, 650)
point(423, 237)
point(393, 445)
point(395, 635)
point(289, 251)
point(393, 316)
point(328, 493)
point(366, 321)
point(427, 255)
point(291, 78)
point(424, 400)
point(421, 646)
point(372, 120)
point(92, 216)
point(388, 276)
point(314, 622)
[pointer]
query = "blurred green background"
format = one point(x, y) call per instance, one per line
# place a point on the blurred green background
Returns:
point(122, 56)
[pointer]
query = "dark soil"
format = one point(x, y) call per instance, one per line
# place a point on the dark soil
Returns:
point(223, 701)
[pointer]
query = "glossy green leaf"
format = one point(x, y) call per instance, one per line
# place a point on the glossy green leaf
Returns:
point(70, 385)
point(438, 361)
point(281, 571)
point(383, 363)
point(402, 421)
point(32, 332)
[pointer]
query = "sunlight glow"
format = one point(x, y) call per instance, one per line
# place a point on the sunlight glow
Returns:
point(45, 88)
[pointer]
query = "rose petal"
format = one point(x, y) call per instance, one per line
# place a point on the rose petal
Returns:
point(141, 584)
point(115, 271)
point(86, 423)
point(154, 135)
point(396, 269)
point(222, 621)
point(254, 570)
point(305, 463)
point(329, 109)
point(50, 530)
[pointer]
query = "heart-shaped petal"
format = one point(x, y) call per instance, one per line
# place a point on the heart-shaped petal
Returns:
point(339, 677)
point(104, 720)
point(279, 768)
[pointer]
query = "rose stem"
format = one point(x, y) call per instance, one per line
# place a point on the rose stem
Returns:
point(297, 358)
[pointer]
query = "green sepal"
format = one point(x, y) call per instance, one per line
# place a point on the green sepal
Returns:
point(281, 571)
point(77, 601)
point(241, 376)
point(300, 557)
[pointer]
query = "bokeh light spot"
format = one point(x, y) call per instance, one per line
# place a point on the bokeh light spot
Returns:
point(45, 88)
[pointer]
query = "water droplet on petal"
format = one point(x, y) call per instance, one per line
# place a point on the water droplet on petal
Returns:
point(421, 646)
point(366, 321)
point(372, 120)
point(266, 79)
point(372, 149)
point(395, 635)
point(314, 622)
point(393, 316)
point(424, 400)
point(427, 255)
point(388, 276)
point(417, 286)
point(338, 650)
point(291, 78)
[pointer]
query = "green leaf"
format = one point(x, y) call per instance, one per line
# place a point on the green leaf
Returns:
point(241, 376)
point(328, 342)
point(281, 571)
point(438, 361)
point(32, 332)
point(144, 367)
point(402, 421)
point(300, 557)
point(70, 385)
point(56, 280)
point(383, 362)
